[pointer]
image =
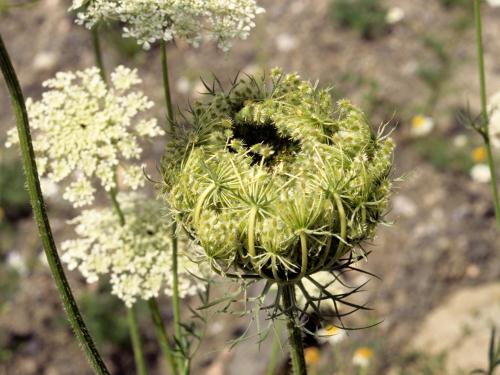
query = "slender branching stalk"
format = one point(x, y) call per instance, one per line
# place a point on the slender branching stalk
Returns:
point(175, 278)
point(166, 84)
point(162, 335)
point(484, 108)
point(96, 44)
point(131, 313)
point(140, 363)
point(294, 332)
point(40, 214)
point(116, 206)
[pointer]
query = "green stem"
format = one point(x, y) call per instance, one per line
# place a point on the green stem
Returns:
point(96, 44)
point(175, 286)
point(294, 333)
point(40, 214)
point(162, 335)
point(116, 205)
point(166, 85)
point(304, 255)
point(275, 349)
point(175, 271)
point(484, 107)
point(140, 363)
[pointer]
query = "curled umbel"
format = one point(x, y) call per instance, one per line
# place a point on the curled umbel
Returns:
point(274, 180)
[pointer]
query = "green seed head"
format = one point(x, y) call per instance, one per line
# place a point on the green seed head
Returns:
point(274, 179)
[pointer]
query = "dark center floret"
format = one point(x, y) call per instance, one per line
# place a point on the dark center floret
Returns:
point(252, 134)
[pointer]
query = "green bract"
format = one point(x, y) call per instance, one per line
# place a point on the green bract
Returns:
point(273, 179)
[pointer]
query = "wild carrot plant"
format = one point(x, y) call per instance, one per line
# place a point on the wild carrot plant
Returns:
point(268, 180)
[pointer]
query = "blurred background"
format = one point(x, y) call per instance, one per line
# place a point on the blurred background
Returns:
point(407, 63)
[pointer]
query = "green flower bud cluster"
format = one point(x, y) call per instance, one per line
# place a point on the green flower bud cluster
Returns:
point(273, 179)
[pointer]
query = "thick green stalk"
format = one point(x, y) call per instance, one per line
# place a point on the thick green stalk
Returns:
point(275, 349)
point(40, 214)
point(294, 332)
point(175, 271)
point(484, 108)
point(96, 44)
point(140, 363)
point(162, 335)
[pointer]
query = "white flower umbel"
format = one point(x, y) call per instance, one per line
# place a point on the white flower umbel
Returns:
point(192, 20)
point(136, 256)
point(83, 129)
point(493, 3)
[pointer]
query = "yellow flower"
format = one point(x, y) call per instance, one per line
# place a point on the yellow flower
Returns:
point(363, 356)
point(421, 125)
point(312, 355)
point(479, 154)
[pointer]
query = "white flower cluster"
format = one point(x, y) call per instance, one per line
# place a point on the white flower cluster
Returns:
point(82, 129)
point(137, 256)
point(152, 20)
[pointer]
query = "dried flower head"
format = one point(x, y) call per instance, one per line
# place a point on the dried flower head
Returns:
point(83, 129)
point(274, 180)
point(149, 21)
point(136, 256)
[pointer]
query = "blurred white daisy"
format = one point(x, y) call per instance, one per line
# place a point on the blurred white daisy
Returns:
point(285, 42)
point(331, 334)
point(395, 15)
point(16, 261)
point(481, 173)
point(493, 3)
point(363, 357)
point(460, 140)
point(421, 125)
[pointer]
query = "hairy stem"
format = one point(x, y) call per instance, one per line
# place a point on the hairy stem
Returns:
point(40, 214)
point(96, 44)
point(166, 84)
point(162, 335)
point(273, 359)
point(294, 333)
point(175, 272)
point(132, 318)
point(140, 363)
point(484, 107)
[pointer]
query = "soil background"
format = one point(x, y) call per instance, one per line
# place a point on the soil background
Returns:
point(438, 256)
